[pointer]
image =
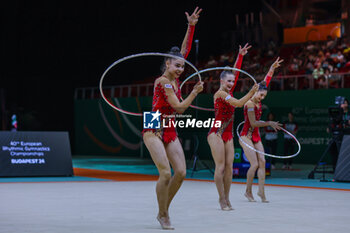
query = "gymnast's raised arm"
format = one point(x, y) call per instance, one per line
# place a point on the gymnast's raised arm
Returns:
point(187, 42)
point(269, 74)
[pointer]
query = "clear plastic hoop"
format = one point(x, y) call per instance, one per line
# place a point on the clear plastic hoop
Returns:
point(267, 154)
point(210, 69)
point(134, 56)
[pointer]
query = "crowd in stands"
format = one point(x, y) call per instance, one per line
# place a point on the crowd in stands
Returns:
point(311, 65)
point(316, 64)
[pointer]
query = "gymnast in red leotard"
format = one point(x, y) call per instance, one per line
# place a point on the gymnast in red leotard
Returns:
point(160, 103)
point(220, 139)
point(250, 135)
point(163, 144)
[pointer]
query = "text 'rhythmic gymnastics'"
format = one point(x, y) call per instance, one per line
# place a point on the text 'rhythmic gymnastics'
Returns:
point(23, 148)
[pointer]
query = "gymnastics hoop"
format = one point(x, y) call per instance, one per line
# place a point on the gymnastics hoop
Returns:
point(131, 57)
point(270, 155)
point(210, 69)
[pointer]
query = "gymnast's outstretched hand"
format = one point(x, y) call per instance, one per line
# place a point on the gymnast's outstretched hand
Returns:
point(277, 63)
point(243, 51)
point(193, 19)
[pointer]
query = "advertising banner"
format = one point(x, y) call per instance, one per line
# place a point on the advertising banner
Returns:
point(35, 154)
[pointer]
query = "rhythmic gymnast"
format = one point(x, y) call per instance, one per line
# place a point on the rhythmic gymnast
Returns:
point(250, 135)
point(220, 139)
point(163, 144)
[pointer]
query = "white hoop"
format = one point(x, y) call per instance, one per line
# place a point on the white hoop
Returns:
point(210, 69)
point(270, 155)
point(134, 56)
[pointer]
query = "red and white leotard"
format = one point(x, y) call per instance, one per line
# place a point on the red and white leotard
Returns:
point(224, 111)
point(249, 131)
point(160, 102)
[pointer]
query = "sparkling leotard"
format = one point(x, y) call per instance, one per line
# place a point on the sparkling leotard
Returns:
point(249, 131)
point(224, 111)
point(160, 102)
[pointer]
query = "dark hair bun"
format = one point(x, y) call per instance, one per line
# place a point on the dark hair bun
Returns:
point(262, 85)
point(174, 50)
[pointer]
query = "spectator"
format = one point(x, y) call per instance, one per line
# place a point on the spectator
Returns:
point(343, 44)
point(310, 21)
point(293, 67)
point(327, 66)
point(346, 115)
point(310, 47)
point(309, 64)
point(334, 55)
point(330, 43)
point(322, 82)
point(224, 59)
point(333, 79)
point(340, 59)
point(320, 57)
point(318, 72)
point(212, 62)
point(270, 53)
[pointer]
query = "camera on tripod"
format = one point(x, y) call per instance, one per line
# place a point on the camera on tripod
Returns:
point(336, 128)
point(336, 115)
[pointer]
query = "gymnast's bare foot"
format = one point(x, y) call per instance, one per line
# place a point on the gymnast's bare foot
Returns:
point(229, 204)
point(165, 223)
point(263, 198)
point(249, 197)
point(223, 204)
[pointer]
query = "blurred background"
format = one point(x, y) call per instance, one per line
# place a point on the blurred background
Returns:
point(54, 53)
